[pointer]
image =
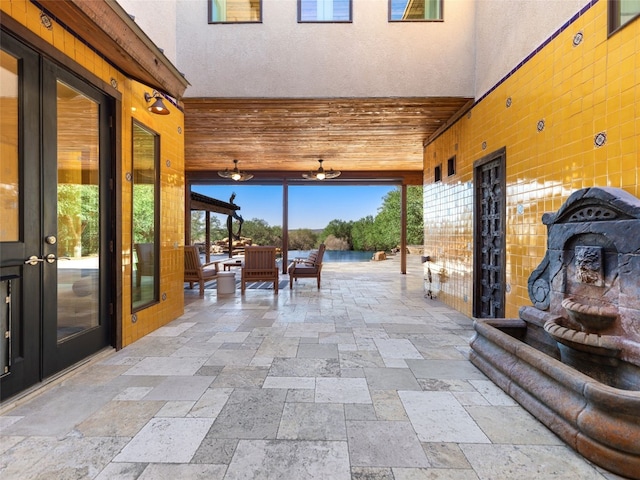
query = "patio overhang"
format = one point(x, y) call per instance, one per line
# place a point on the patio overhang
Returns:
point(201, 202)
point(368, 139)
point(116, 36)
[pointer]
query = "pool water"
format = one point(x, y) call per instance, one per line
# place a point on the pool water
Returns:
point(332, 256)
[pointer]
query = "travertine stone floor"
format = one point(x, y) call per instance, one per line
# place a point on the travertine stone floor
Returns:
point(364, 379)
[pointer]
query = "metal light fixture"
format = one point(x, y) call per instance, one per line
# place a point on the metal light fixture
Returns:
point(321, 173)
point(235, 174)
point(157, 106)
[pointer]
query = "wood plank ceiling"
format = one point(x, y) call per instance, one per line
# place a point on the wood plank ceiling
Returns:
point(365, 138)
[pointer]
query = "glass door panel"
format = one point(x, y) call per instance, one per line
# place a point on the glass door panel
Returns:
point(9, 191)
point(78, 212)
point(9, 174)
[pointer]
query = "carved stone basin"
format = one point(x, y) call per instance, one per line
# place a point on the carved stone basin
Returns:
point(599, 421)
point(592, 318)
point(606, 345)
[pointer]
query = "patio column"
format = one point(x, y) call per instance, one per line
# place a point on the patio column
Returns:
point(285, 225)
point(403, 229)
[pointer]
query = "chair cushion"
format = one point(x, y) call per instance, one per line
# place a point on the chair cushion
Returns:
point(304, 270)
point(209, 272)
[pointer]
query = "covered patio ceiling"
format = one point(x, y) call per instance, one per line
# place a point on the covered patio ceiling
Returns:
point(368, 139)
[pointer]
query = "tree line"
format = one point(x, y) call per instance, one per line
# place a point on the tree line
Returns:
point(371, 233)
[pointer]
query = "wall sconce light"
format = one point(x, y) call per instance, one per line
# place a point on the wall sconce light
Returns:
point(235, 174)
point(157, 106)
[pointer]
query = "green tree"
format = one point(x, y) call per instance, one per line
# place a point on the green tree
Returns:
point(383, 231)
point(143, 213)
point(362, 234)
point(303, 239)
point(78, 219)
point(415, 215)
point(388, 218)
point(339, 229)
point(199, 227)
point(261, 233)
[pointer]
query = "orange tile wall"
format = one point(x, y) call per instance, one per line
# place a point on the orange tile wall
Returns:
point(579, 91)
point(170, 128)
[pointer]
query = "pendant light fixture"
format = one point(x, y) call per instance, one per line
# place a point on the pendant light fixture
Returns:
point(321, 173)
point(235, 174)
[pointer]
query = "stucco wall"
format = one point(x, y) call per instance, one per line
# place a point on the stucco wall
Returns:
point(507, 31)
point(369, 57)
point(158, 20)
point(477, 44)
point(579, 92)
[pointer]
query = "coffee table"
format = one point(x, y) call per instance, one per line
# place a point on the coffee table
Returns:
point(232, 262)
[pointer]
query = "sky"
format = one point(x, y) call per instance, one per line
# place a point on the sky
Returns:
point(310, 206)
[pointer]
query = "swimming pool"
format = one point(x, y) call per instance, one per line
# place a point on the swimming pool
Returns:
point(332, 256)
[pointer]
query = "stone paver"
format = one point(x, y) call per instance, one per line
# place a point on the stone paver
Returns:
point(362, 379)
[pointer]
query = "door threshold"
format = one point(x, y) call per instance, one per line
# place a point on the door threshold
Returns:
point(54, 380)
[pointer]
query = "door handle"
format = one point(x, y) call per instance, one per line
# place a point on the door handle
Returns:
point(51, 258)
point(33, 260)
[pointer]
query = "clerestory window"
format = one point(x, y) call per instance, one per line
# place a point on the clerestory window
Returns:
point(415, 10)
point(622, 12)
point(324, 11)
point(235, 11)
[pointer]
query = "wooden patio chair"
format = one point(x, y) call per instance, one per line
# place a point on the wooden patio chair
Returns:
point(145, 264)
point(309, 267)
point(259, 265)
point(195, 270)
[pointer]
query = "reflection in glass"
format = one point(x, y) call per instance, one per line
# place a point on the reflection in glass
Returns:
point(629, 9)
point(9, 178)
point(415, 10)
point(324, 10)
point(234, 11)
point(145, 217)
point(78, 212)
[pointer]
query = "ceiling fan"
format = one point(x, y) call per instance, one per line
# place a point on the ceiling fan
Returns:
point(321, 173)
point(235, 174)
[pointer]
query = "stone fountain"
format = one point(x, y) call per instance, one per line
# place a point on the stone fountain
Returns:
point(573, 358)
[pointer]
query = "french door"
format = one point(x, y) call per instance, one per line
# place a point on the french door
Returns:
point(55, 267)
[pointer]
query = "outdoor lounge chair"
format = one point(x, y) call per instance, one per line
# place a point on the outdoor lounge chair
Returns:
point(259, 265)
point(195, 270)
point(309, 267)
